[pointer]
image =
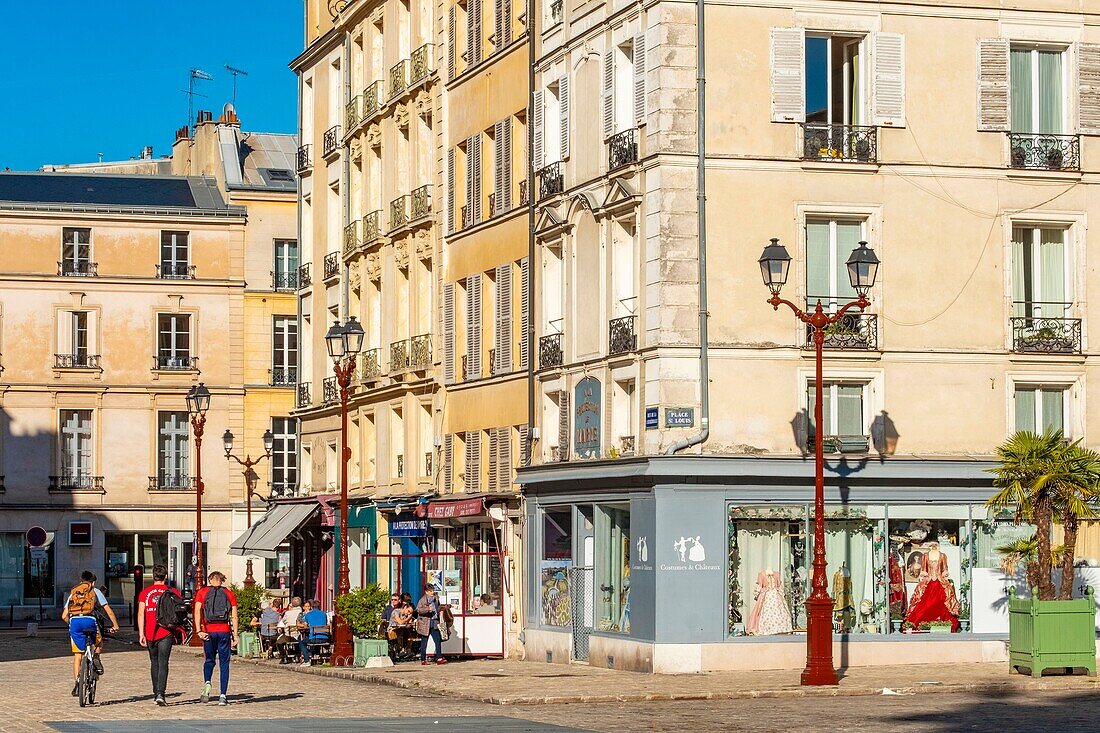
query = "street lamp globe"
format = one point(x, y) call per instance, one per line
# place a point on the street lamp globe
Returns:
point(353, 337)
point(198, 400)
point(775, 264)
point(227, 441)
point(269, 441)
point(334, 340)
point(862, 268)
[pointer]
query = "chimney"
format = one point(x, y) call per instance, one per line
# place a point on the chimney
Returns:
point(147, 152)
point(204, 116)
point(183, 133)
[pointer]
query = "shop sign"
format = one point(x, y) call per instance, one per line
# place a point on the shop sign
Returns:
point(409, 528)
point(679, 417)
point(688, 553)
point(452, 509)
point(652, 421)
point(586, 426)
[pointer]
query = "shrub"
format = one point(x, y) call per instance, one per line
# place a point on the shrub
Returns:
point(362, 609)
point(248, 603)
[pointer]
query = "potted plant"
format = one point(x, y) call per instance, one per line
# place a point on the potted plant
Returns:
point(1043, 478)
point(248, 607)
point(362, 609)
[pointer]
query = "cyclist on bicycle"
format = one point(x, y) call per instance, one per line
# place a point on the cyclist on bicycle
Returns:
point(80, 614)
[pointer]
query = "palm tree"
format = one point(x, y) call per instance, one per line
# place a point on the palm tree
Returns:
point(1076, 491)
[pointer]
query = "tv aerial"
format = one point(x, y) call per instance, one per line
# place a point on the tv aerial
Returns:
point(194, 75)
point(235, 73)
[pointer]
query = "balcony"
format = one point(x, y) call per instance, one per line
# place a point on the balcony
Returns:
point(283, 488)
point(372, 228)
point(331, 141)
point(493, 363)
point(330, 391)
point(305, 399)
point(76, 482)
point(465, 367)
point(399, 212)
point(305, 159)
point(621, 338)
point(284, 282)
point(854, 331)
point(1036, 335)
point(550, 352)
point(841, 443)
point(556, 11)
point(69, 268)
point(304, 279)
point(171, 482)
point(626, 445)
point(428, 464)
point(284, 376)
point(399, 78)
point(421, 62)
point(523, 200)
point(370, 366)
point(372, 100)
point(351, 238)
point(399, 356)
point(420, 351)
point(76, 361)
point(421, 203)
point(464, 217)
point(332, 266)
point(351, 114)
point(175, 363)
point(843, 143)
point(1044, 152)
point(622, 149)
point(400, 464)
point(175, 271)
point(551, 180)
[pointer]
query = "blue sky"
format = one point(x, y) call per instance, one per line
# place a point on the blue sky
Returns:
point(82, 78)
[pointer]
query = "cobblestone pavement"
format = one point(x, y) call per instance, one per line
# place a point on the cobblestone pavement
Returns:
point(35, 674)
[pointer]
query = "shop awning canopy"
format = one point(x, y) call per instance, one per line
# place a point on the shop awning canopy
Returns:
point(265, 536)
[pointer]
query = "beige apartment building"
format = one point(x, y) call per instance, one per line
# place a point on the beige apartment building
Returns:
point(120, 292)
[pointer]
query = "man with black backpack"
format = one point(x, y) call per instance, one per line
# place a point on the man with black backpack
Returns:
point(161, 614)
point(216, 624)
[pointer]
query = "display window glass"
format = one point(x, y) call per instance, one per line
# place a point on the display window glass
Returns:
point(555, 563)
point(613, 568)
point(767, 570)
point(854, 584)
point(928, 557)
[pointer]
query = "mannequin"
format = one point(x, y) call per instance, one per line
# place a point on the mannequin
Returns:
point(934, 598)
point(770, 614)
point(843, 605)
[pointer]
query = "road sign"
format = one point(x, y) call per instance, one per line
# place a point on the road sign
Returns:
point(651, 420)
point(38, 554)
point(679, 417)
point(36, 536)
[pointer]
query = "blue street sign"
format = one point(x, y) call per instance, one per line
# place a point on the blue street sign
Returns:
point(652, 421)
point(679, 417)
point(409, 528)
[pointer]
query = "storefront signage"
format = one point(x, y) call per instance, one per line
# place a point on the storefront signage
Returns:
point(688, 553)
point(679, 417)
point(652, 421)
point(586, 426)
point(452, 509)
point(409, 528)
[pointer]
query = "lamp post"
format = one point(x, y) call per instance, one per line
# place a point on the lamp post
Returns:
point(198, 402)
point(249, 482)
point(344, 342)
point(862, 266)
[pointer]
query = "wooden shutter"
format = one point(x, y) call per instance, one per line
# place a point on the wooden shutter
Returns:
point(498, 168)
point(473, 326)
point(473, 32)
point(504, 195)
point(451, 191)
point(536, 116)
point(503, 306)
point(563, 115)
point(494, 456)
point(506, 28)
point(472, 173)
point(448, 464)
point(993, 84)
point(473, 460)
point(498, 24)
point(524, 317)
point(639, 78)
point(563, 424)
point(524, 444)
point(504, 459)
point(1088, 88)
point(473, 170)
point(449, 333)
point(888, 86)
point(608, 93)
point(451, 42)
point(788, 59)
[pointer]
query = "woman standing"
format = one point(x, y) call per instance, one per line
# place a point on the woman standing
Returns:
point(427, 625)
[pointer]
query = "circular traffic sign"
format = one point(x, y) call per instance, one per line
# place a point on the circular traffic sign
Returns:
point(36, 536)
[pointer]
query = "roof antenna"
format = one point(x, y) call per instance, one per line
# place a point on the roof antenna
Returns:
point(193, 75)
point(235, 73)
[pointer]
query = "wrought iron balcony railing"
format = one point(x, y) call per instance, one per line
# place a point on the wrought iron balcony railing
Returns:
point(1044, 152)
point(421, 202)
point(175, 271)
point(305, 159)
point(332, 265)
point(841, 443)
point(400, 465)
point(283, 488)
point(370, 366)
point(854, 331)
point(331, 141)
point(372, 226)
point(626, 445)
point(399, 212)
point(465, 367)
point(76, 482)
point(523, 200)
point(305, 398)
point(304, 278)
point(428, 464)
point(550, 351)
point(351, 114)
point(351, 238)
point(464, 217)
point(372, 100)
point(1034, 335)
point(556, 11)
point(172, 482)
point(69, 268)
point(175, 363)
point(420, 351)
point(620, 335)
point(284, 282)
point(849, 143)
point(284, 376)
point(330, 391)
point(551, 180)
point(493, 205)
point(622, 149)
point(399, 356)
point(421, 61)
point(76, 361)
point(399, 78)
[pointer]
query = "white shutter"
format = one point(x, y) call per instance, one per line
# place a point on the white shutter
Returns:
point(450, 191)
point(639, 78)
point(888, 90)
point(788, 59)
point(451, 42)
point(503, 306)
point(473, 31)
point(608, 93)
point(524, 445)
point(1088, 88)
point(498, 168)
point(448, 464)
point(524, 320)
point(449, 333)
point(504, 196)
point(473, 460)
point(536, 115)
point(473, 326)
point(563, 115)
point(506, 29)
point(494, 456)
point(563, 424)
point(474, 169)
point(504, 459)
point(993, 84)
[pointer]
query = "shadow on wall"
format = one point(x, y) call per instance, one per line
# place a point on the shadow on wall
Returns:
point(883, 439)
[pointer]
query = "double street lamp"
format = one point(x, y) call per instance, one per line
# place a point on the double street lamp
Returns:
point(249, 482)
point(198, 402)
point(862, 266)
point(344, 342)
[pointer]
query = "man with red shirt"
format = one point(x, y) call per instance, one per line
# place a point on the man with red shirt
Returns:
point(216, 624)
point(158, 639)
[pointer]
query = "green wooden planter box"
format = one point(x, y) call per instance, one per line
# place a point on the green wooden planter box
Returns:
point(1051, 634)
point(248, 644)
point(367, 648)
point(939, 627)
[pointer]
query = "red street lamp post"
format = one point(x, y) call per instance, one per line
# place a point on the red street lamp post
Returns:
point(862, 269)
point(344, 342)
point(249, 482)
point(198, 402)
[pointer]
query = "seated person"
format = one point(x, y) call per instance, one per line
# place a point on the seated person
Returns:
point(486, 605)
point(288, 631)
point(393, 605)
point(312, 617)
point(266, 623)
point(403, 631)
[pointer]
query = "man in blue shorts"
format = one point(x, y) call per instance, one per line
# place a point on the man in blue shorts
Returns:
point(79, 613)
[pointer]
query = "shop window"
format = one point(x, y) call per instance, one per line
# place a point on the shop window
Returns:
point(613, 568)
point(277, 569)
point(926, 557)
point(556, 561)
point(11, 568)
point(768, 570)
point(850, 570)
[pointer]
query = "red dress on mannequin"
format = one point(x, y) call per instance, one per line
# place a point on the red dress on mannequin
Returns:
point(934, 598)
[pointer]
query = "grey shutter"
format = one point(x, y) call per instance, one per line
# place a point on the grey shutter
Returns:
point(448, 464)
point(471, 175)
point(451, 42)
point(474, 169)
point(563, 424)
point(563, 115)
point(449, 333)
point(788, 52)
point(494, 456)
point(504, 459)
point(888, 86)
point(993, 84)
point(499, 40)
point(507, 26)
point(1088, 88)
point(473, 31)
point(450, 190)
point(639, 79)
point(524, 319)
point(524, 444)
point(473, 326)
point(473, 460)
point(498, 168)
point(536, 115)
point(505, 196)
point(503, 306)
point(608, 93)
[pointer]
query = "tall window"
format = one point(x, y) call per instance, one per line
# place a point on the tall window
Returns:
point(174, 341)
point(76, 447)
point(175, 255)
point(284, 456)
point(1037, 90)
point(613, 568)
point(1040, 282)
point(829, 242)
point(173, 450)
point(842, 414)
point(76, 251)
point(286, 264)
point(834, 80)
point(1039, 409)
point(79, 342)
point(284, 356)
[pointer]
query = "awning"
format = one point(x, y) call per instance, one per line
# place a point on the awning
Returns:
point(454, 509)
point(265, 536)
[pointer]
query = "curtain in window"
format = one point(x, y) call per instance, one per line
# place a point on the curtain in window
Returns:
point(1052, 409)
point(849, 400)
point(1050, 92)
point(847, 546)
point(848, 234)
point(1052, 259)
point(817, 263)
point(826, 408)
point(761, 546)
point(1025, 410)
point(1021, 289)
point(1020, 99)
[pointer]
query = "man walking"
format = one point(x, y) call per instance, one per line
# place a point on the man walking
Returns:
point(152, 635)
point(215, 615)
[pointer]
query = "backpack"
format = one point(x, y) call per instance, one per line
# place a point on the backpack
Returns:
point(215, 607)
point(171, 611)
point(82, 600)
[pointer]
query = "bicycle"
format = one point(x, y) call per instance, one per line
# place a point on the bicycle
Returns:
point(86, 680)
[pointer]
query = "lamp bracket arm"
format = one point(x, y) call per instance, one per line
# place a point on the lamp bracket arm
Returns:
point(861, 303)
